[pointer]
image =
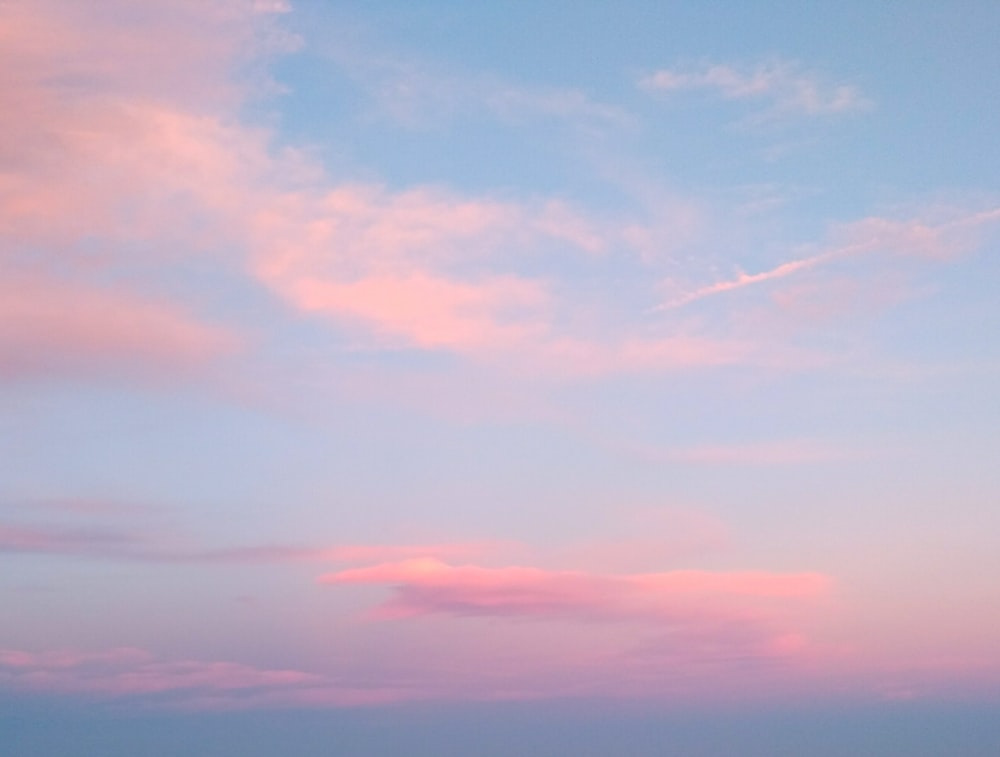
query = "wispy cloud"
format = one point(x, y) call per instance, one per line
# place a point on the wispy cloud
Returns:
point(93, 105)
point(418, 93)
point(785, 86)
point(747, 279)
point(143, 180)
point(63, 540)
point(918, 238)
point(106, 542)
point(341, 553)
point(425, 269)
point(138, 677)
point(182, 184)
point(51, 329)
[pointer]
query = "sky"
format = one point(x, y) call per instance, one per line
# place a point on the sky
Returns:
point(553, 378)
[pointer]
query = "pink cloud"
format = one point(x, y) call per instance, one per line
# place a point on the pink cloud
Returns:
point(421, 269)
point(625, 628)
point(432, 312)
point(104, 118)
point(137, 676)
point(747, 279)
point(354, 231)
point(198, 48)
point(51, 329)
point(105, 166)
point(430, 586)
point(629, 630)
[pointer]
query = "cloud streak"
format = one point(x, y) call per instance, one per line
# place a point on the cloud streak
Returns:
point(784, 84)
point(706, 615)
point(140, 678)
point(416, 94)
point(107, 543)
point(912, 238)
point(428, 586)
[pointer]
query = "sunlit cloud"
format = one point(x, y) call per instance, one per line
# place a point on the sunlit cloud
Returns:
point(430, 585)
point(706, 613)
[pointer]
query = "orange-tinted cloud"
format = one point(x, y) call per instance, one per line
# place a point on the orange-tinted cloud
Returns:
point(652, 622)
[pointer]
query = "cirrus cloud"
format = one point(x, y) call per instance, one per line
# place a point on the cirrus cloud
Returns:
point(784, 84)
